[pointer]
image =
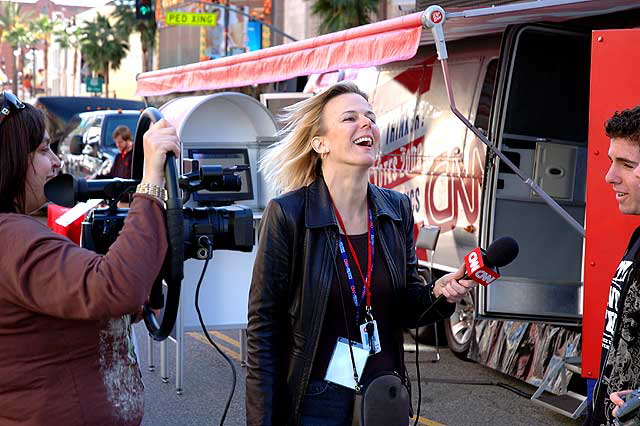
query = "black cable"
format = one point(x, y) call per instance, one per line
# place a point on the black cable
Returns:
point(481, 383)
point(460, 382)
point(417, 354)
point(418, 374)
point(207, 242)
point(127, 191)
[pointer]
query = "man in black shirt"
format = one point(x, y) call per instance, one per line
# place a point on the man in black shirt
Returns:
point(620, 360)
point(122, 163)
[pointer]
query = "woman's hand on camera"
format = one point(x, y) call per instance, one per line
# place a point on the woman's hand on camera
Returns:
point(157, 141)
point(452, 287)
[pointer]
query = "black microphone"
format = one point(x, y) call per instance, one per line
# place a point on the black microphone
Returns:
point(66, 190)
point(502, 252)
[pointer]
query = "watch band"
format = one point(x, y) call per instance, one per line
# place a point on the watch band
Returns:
point(152, 189)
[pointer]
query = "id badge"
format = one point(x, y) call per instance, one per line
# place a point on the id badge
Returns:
point(340, 370)
point(364, 333)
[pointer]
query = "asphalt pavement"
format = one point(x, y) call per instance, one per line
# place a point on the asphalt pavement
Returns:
point(207, 383)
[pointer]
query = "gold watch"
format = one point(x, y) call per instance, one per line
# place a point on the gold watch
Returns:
point(153, 190)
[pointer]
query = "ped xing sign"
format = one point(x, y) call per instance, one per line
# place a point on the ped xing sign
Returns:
point(192, 19)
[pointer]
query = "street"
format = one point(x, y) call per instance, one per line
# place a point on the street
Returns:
point(207, 382)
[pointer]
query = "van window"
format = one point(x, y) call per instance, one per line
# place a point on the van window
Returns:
point(549, 90)
point(485, 101)
point(113, 121)
point(93, 131)
point(80, 127)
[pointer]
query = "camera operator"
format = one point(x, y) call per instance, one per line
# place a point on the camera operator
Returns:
point(67, 356)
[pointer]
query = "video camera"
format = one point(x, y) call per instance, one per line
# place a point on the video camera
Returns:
point(193, 233)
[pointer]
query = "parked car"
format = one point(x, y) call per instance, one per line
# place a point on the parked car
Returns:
point(61, 110)
point(88, 149)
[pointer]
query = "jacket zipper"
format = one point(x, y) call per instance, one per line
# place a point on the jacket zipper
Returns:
point(395, 275)
point(393, 270)
point(325, 297)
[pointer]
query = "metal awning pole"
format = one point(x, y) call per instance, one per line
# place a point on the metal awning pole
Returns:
point(434, 18)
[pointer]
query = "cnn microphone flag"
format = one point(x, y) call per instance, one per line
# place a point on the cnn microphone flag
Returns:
point(477, 269)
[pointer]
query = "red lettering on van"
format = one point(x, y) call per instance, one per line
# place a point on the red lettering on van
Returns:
point(459, 183)
point(400, 165)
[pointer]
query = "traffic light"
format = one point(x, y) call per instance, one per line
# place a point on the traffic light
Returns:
point(144, 9)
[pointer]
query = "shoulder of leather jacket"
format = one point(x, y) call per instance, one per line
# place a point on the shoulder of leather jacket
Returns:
point(319, 213)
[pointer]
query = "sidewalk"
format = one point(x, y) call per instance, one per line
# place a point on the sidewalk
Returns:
point(206, 383)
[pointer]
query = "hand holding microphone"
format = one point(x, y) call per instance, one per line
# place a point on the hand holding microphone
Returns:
point(453, 286)
point(478, 268)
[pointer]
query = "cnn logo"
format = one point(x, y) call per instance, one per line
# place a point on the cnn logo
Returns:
point(483, 277)
point(474, 262)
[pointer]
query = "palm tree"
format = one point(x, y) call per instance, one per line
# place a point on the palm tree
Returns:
point(339, 15)
point(127, 23)
point(17, 38)
point(42, 29)
point(102, 48)
point(63, 40)
point(69, 38)
point(9, 17)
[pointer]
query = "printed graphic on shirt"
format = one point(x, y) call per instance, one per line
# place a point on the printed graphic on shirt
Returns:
point(613, 305)
point(623, 364)
point(120, 370)
point(620, 361)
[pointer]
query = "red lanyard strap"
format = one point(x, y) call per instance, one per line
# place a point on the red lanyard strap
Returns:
point(370, 246)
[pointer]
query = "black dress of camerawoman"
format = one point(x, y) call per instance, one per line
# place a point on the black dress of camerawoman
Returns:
point(289, 292)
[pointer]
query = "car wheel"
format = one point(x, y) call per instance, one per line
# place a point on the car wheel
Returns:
point(459, 327)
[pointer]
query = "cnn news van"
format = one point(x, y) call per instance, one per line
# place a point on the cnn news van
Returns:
point(538, 79)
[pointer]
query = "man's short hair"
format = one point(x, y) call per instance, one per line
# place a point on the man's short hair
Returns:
point(122, 131)
point(624, 125)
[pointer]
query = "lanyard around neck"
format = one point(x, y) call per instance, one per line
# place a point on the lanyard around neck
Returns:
point(366, 290)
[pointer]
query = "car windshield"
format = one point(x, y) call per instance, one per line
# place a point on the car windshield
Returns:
point(113, 121)
point(80, 126)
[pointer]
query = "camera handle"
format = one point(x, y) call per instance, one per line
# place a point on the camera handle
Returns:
point(172, 269)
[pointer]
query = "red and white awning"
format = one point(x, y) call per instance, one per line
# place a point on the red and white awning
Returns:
point(369, 45)
point(374, 44)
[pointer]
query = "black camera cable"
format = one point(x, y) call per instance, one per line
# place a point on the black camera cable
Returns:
point(417, 354)
point(207, 243)
point(449, 381)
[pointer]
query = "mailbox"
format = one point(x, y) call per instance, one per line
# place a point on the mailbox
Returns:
point(224, 129)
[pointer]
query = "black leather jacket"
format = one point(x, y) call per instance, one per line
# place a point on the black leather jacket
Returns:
point(292, 275)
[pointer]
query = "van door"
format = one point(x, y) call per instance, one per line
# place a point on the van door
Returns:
point(615, 86)
point(540, 122)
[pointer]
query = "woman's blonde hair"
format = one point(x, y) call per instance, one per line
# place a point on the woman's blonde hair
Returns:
point(291, 163)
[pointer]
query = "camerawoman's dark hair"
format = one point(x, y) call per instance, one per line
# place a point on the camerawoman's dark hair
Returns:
point(624, 125)
point(21, 132)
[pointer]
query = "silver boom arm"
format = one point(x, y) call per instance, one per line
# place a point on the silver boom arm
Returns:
point(434, 18)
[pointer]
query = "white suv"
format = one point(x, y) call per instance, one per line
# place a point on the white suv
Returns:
point(88, 149)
